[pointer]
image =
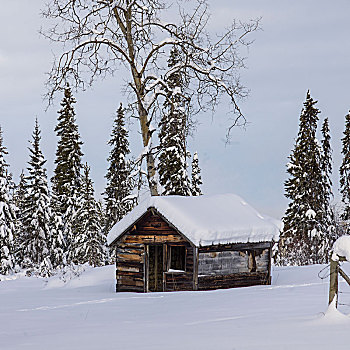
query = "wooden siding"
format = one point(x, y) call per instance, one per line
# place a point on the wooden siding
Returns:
point(233, 280)
point(222, 263)
point(130, 267)
point(234, 265)
point(206, 268)
point(132, 260)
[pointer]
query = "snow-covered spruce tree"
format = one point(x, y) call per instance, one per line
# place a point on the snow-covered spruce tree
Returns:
point(67, 173)
point(196, 176)
point(19, 201)
point(172, 164)
point(89, 240)
point(305, 235)
point(66, 181)
point(117, 195)
point(20, 192)
point(7, 215)
point(57, 244)
point(328, 220)
point(36, 234)
point(345, 171)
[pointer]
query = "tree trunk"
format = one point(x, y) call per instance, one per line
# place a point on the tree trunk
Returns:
point(146, 135)
point(139, 89)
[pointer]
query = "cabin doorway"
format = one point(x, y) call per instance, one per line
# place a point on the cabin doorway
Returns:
point(155, 268)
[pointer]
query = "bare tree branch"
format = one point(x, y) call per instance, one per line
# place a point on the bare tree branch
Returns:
point(99, 36)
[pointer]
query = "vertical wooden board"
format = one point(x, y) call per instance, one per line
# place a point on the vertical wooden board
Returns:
point(146, 269)
point(195, 268)
point(165, 264)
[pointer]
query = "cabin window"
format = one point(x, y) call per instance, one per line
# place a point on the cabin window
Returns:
point(177, 258)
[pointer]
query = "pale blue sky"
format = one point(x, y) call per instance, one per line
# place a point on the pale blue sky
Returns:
point(303, 45)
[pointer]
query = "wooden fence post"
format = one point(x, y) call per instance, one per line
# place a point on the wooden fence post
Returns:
point(333, 282)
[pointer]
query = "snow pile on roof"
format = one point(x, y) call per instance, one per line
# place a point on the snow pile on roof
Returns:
point(341, 247)
point(205, 220)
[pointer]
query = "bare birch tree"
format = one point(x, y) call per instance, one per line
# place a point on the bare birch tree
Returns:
point(100, 36)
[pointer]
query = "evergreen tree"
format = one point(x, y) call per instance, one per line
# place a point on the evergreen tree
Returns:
point(36, 234)
point(328, 220)
point(172, 165)
point(89, 241)
point(118, 198)
point(67, 174)
point(196, 176)
point(345, 171)
point(66, 181)
point(305, 234)
point(7, 215)
point(57, 244)
point(68, 227)
point(20, 192)
point(19, 201)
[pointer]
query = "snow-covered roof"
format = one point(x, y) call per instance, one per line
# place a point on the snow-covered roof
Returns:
point(205, 220)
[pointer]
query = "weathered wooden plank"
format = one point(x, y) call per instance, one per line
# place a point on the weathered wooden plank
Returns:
point(128, 269)
point(130, 281)
point(123, 288)
point(232, 281)
point(129, 250)
point(195, 268)
point(136, 274)
point(124, 245)
point(129, 257)
point(235, 246)
point(137, 265)
point(180, 243)
point(178, 277)
point(155, 227)
point(160, 232)
point(153, 238)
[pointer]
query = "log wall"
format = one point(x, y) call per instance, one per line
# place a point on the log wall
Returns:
point(132, 260)
point(234, 265)
point(210, 267)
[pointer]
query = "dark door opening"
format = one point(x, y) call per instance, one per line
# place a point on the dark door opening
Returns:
point(155, 268)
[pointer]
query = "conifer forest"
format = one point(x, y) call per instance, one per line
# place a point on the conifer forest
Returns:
point(50, 223)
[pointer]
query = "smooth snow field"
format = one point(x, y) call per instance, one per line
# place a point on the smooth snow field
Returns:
point(86, 313)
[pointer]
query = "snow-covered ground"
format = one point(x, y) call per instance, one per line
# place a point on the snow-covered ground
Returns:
point(86, 313)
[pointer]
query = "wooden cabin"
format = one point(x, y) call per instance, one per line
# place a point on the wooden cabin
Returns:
point(178, 243)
